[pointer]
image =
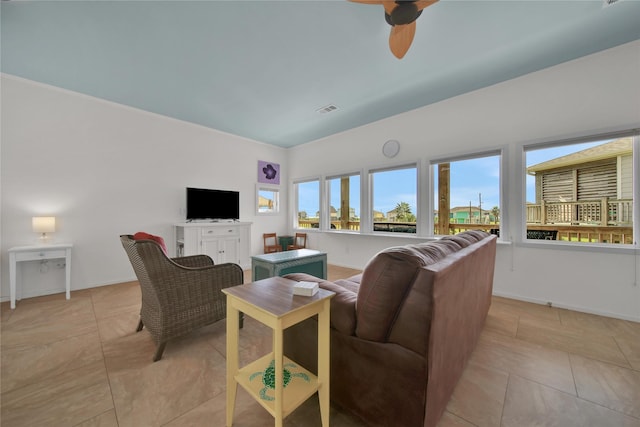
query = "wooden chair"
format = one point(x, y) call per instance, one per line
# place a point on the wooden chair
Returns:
point(179, 295)
point(271, 243)
point(299, 242)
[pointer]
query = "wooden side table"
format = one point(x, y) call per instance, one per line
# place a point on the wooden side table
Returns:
point(277, 383)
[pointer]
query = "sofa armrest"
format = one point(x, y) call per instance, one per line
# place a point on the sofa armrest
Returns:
point(343, 304)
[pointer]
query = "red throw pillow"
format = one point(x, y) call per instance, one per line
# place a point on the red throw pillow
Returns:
point(141, 235)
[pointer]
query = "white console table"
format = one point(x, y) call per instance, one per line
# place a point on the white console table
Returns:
point(34, 253)
point(222, 241)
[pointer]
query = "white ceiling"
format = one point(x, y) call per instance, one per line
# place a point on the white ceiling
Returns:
point(261, 69)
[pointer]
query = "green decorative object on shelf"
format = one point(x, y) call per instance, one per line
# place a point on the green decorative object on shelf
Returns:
point(285, 241)
point(269, 378)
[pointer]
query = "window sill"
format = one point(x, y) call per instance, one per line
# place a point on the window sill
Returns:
point(542, 244)
point(581, 247)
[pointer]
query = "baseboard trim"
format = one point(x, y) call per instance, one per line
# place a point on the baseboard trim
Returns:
point(569, 307)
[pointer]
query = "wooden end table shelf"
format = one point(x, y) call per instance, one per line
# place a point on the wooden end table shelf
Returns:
point(272, 303)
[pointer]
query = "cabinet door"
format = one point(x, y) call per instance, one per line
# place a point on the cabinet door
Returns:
point(230, 251)
point(222, 250)
point(222, 242)
point(214, 248)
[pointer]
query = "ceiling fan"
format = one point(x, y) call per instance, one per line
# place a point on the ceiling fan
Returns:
point(401, 15)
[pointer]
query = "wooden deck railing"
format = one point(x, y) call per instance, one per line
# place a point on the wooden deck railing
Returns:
point(335, 225)
point(567, 233)
point(602, 212)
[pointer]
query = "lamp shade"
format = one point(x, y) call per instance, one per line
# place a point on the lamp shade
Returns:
point(44, 224)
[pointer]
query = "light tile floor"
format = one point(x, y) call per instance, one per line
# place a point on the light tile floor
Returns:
point(80, 363)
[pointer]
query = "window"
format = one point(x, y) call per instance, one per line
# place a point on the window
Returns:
point(394, 199)
point(344, 202)
point(308, 203)
point(268, 200)
point(581, 191)
point(467, 194)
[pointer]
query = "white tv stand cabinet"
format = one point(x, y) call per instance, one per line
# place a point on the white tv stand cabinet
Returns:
point(222, 241)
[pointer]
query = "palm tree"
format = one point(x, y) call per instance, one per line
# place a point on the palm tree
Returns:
point(403, 212)
point(495, 211)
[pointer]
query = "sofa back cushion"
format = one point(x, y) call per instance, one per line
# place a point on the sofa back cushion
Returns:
point(466, 238)
point(387, 280)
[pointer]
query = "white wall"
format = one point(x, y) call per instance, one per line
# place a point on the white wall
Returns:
point(104, 170)
point(587, 96)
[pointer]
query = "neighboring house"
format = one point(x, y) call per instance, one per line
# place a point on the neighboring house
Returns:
point(264, 204)
point(468, 215)
point(392, 215)
point(378, 216)
point(599, 173)
point(602, 171)
point(333, 213)
point(352, 214)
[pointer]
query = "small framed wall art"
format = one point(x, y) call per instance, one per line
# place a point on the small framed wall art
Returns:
point(268, 172)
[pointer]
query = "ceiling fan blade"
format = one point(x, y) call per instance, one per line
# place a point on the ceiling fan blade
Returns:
point(425, 3)
point(389, 5)
point(401, 38)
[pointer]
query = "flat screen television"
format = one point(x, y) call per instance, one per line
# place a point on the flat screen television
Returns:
point(206, 204)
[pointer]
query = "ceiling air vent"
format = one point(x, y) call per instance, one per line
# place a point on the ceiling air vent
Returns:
point(327, 109)
point(607, 3)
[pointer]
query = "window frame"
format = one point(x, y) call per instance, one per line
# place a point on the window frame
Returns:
point(327, 200)
point(512, 194)
point(296, 200)
point(276, 191)
point(370, 199)
point(502, 154)
point(522, 239)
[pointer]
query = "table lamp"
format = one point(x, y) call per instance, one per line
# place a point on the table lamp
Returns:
point(44, 225)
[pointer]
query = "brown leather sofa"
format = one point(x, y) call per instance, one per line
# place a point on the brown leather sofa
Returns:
point(403, 330)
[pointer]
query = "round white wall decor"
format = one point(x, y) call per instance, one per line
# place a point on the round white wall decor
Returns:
point(391, 148)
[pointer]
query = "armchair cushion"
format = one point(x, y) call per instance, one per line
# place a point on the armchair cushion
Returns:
point(141, 235)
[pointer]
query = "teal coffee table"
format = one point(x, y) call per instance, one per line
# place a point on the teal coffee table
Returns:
point(297, 261)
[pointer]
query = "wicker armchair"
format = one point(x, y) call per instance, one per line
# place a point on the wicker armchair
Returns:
point(179, 295)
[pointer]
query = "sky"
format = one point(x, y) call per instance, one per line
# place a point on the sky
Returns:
point(470, 180)
point(473, 181)
point(393, 187)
